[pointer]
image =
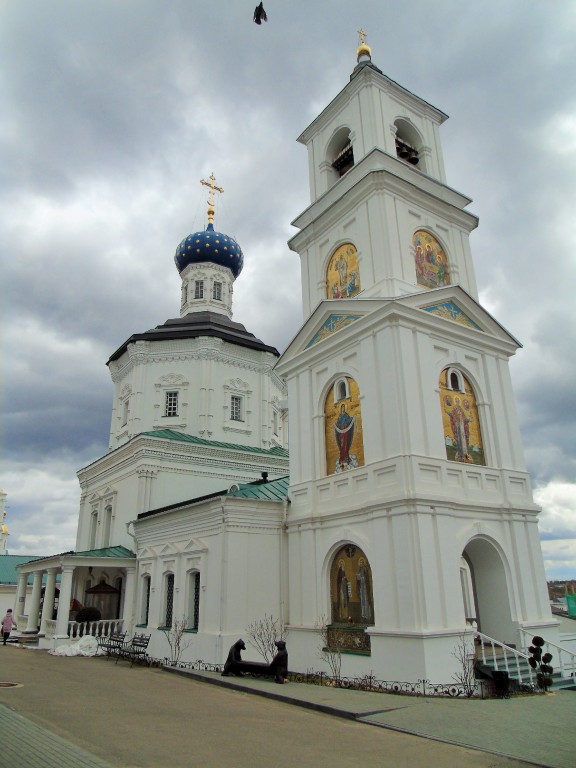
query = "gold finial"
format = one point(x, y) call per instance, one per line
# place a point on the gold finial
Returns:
point(213, 188)
point(363, 48)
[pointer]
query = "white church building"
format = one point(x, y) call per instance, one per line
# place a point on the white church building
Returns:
point(402, 515)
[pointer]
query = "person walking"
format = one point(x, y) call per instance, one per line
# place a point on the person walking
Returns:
point(8, 624)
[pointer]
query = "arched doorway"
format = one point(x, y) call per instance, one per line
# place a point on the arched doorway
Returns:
point(485, 590)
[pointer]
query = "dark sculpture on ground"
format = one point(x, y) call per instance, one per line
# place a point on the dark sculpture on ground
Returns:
point(279, 665)
point(234, 656)
point(278, 668)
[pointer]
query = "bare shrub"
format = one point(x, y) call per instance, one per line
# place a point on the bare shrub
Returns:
point(464, 655)
point(329, 651)
point(263, 633)
point(177, 638)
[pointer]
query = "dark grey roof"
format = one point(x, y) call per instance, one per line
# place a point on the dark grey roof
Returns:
point(196, 324)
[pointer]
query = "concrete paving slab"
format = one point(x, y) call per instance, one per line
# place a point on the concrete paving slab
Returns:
point(536, 729)
point(139, 717)
point(26, 745)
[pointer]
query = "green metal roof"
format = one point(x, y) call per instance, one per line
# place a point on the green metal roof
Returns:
point(105, 552)
point(8, 563)
point(171, 434)
point(275, 490)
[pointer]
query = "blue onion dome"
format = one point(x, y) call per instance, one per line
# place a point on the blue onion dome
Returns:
point(212, 247)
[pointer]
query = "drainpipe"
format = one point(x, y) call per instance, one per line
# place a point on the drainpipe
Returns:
point(223, 583)
point(132, 535)
point(283, 543)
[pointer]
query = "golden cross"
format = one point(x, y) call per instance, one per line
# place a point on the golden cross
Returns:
point(213, 188)
point(362, 36)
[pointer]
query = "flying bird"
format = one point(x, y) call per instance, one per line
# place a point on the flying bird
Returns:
point(260, 14)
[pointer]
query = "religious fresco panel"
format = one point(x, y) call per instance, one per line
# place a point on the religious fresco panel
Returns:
point(462, 435)
point(343, 430)
point(351, 595)
point(331, 325)
point(451, 311)
point(343, 273)
point(431, 261)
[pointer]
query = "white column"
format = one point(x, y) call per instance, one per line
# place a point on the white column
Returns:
point(48, 606)
point(32, 626)
point(20, 596)
point(64, 602)
point(129, 594)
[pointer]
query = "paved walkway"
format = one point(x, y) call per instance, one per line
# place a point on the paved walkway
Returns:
point(539, 729)
point(92, 713)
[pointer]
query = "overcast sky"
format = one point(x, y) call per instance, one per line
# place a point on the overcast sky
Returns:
point(111, 111)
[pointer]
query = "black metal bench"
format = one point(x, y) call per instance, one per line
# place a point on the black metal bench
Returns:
point(257, 669)
point(112, 643)
point(254, 668)
point(134, 650)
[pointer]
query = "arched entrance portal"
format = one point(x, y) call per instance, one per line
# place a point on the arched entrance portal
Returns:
point(485, 591)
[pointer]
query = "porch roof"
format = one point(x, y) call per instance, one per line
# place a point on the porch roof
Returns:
point(118, 551)
point(72, 558)
point(8, 564)
point(273, 490)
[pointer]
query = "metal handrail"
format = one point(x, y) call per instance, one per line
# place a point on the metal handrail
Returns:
point(566, 669)
point(506, 654)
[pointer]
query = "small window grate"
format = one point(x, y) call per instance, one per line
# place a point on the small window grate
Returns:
point(169, 599)
point(171, 405)
point(236, 408)
point(196, 581)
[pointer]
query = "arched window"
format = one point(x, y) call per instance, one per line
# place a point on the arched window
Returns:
point(462, 432)
point(408, 143)
point(341, 152)
point(339, 156)
point(351, 596)
point(343, 428)
point(341, 389)
point(455, 380)
point(430, 261)
point(343, 273)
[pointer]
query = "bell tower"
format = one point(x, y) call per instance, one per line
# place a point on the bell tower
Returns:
point(412, 522)
point(377, 177)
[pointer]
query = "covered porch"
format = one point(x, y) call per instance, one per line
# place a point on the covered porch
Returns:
point(99, 578)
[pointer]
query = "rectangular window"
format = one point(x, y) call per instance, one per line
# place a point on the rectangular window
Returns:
point(125, 408)
point(236, 408)
point(169, 599)
point(194, 600)
point(171, 404)
point(275, 421)
point(146, 596)
point(217, 291)
point(199, 289)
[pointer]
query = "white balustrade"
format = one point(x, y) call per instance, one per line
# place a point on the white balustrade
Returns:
point(562, 659)
point(504, 657)
point(101, 628)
